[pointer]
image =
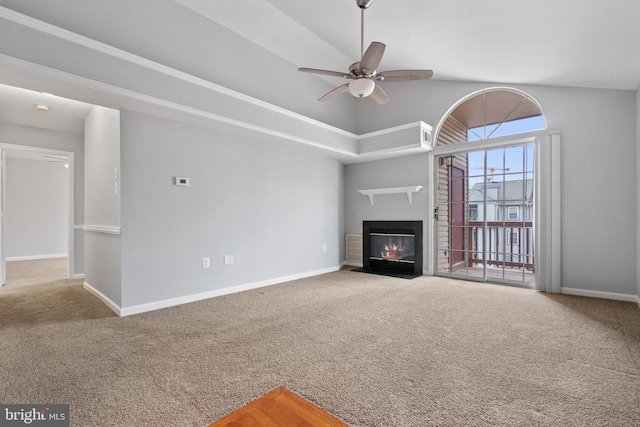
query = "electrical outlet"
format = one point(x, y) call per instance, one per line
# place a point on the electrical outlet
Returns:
point(182, 181)
point(324, 248)
point(206, 262)
point(228, 260)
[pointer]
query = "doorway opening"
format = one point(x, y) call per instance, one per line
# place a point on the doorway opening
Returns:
point(37, 228)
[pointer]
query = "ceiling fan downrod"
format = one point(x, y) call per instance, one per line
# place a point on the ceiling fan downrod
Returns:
point(362, 4)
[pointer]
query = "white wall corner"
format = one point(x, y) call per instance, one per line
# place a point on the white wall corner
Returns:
point(112, 305)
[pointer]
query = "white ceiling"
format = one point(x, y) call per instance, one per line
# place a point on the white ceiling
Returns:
point(582, 43)
point(19, 106)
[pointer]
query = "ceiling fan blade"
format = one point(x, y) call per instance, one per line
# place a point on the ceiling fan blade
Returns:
point(335, 92)
point(372, 57)
point(379, 95)
point(404, 75)
point(326, 72)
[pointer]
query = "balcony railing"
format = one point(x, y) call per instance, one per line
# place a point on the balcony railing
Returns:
point(505, 244)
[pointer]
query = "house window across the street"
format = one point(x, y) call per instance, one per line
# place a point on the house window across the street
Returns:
point(513, 237)
point(512, 213)
point(473, 212)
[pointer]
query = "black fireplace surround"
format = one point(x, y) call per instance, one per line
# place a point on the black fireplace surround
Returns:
point(392, 247)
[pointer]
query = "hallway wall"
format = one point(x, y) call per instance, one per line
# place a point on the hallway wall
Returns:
point(37, 217)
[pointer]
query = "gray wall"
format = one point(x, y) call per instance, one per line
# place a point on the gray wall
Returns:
point(37, 211)
point(638, 187)
point(270, 205)
point(398, 172)
point(34, 137)
point(102, 202)
point(598, 128)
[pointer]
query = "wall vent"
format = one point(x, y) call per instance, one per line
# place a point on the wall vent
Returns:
point(354, 249)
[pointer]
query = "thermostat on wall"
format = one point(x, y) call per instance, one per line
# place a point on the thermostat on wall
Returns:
point(182, 181)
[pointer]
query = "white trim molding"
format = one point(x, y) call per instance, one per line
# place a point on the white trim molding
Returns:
point(114, 52)
point(101, 229)
point(601, 294)
point(171, 302)
point(33, 257)
point(267, 120)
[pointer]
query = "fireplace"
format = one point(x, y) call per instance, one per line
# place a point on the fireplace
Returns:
point(392, 247)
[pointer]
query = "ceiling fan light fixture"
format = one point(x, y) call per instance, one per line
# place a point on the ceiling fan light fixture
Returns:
point(363, 73)
point(362, 87)
point(42, 107)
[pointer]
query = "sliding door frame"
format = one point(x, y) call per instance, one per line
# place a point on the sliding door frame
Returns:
point(547, 201)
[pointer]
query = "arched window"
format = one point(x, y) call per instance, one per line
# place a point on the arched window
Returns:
point(488, 114)
point(497, 209)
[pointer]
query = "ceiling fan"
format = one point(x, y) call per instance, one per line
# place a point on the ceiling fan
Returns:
point(363, 74)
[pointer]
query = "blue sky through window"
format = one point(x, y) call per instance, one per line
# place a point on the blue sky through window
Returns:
point(506, 128)
point(503, 164)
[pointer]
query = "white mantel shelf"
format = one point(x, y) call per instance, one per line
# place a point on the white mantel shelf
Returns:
point(395, 190)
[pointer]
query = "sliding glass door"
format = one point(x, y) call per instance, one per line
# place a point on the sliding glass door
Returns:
point(485, 215)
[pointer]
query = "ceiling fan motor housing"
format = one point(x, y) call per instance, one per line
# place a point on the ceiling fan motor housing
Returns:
point(358, 72)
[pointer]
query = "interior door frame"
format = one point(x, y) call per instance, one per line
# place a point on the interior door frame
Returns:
point(3, 203)
point(69, 155)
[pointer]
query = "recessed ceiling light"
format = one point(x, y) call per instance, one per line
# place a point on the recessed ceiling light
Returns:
point(42, 107)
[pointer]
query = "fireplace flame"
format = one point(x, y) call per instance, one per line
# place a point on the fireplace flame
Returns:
point(392, 251)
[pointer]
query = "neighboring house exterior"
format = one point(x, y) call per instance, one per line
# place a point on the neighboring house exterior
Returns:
point(506, 209)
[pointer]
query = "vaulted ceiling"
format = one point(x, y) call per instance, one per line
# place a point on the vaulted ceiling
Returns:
point(581, 43)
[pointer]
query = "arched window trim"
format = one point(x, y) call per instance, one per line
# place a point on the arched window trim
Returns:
point(547, 192)
point(486, 90)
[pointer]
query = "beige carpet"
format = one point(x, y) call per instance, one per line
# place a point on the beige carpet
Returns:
point(371, 350)
point(37, 272)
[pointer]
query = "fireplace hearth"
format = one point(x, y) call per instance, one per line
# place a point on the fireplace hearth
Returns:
point(392, 248)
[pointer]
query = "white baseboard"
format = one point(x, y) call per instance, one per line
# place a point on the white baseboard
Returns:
point(32, 257)
point(171, 302)
point(78, 276)
point(601, 294)
point(638, 301)
point(112, 305)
